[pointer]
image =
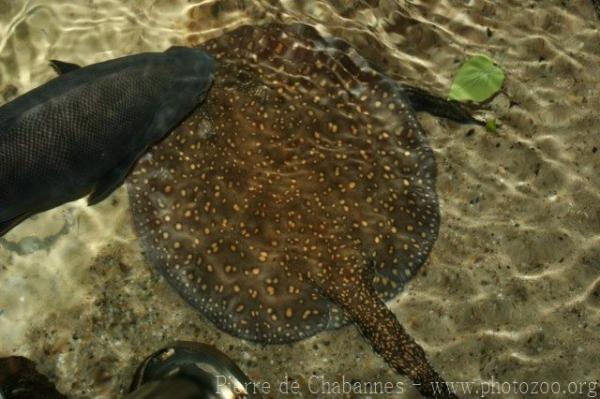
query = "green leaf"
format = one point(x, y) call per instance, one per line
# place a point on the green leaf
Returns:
point(477, 80)
point(491, 125)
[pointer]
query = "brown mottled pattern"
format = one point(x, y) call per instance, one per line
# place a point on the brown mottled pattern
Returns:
point(303, 186)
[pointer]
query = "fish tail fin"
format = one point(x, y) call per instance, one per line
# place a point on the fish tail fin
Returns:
point(7, 225)
point(423, 101)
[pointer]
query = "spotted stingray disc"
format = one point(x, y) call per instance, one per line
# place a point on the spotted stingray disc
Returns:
point(300, 154)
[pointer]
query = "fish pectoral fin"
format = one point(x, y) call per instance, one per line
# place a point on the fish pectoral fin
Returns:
point(111, 181)
point(63, 67)
point(423, 101)
point(7, 225)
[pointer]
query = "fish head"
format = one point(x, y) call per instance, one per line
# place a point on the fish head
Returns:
point(194, 68)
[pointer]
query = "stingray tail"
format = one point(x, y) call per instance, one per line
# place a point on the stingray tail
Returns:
point(423, 101)
point(387, 337)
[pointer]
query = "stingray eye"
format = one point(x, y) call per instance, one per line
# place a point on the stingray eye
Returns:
point(237, 79)
point(243, 76)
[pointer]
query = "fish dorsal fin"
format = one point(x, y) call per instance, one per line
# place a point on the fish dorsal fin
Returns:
point(176, 50)
point(63, 67)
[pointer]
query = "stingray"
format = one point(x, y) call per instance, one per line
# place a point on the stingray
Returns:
point(299, 197)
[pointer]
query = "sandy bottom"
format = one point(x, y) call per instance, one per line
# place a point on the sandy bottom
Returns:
point(511, 291)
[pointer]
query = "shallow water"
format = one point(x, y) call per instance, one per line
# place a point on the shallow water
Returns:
point(511, 291)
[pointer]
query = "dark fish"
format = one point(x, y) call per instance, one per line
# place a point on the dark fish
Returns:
point(81, 132)
point(299, 197)
point(19, 379)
